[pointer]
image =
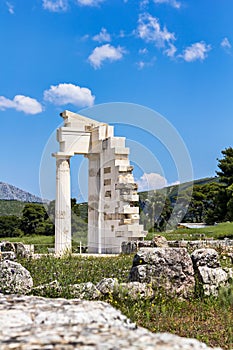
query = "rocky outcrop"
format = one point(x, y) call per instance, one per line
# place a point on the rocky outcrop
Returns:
point(14, 278)
point(38, 324)
point(168, 268)
point(209, 272)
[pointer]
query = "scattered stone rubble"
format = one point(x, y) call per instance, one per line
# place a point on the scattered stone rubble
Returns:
point(89, 291)
point(171, 269)
point(29, 322)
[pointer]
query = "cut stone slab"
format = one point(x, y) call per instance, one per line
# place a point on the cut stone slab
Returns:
point(34, 323)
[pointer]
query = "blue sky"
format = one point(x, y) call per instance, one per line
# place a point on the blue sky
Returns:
point(172, 56)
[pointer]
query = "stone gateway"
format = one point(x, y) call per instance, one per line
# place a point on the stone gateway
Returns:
point(112, 191)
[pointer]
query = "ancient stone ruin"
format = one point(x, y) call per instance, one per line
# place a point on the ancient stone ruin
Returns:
point(112, 191)
point(28, 322)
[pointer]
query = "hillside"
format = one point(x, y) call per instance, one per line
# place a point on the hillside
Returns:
point(172, 191)
point(9, 192)
point(9, 206)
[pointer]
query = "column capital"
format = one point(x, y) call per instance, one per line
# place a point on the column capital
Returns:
point(61, 155)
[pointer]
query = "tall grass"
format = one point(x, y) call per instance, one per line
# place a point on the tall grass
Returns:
point(207, 319)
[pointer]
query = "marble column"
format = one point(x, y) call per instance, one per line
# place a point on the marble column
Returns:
point(62, 206)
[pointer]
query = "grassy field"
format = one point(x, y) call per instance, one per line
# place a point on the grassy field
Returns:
point(42, 243)
point(219, 231)
point(207, 319)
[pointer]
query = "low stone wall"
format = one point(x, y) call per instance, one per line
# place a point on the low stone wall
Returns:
point(226, 244)
point(133, 246)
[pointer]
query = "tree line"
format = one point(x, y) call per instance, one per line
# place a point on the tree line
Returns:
point(38, 219)
point(210, 203)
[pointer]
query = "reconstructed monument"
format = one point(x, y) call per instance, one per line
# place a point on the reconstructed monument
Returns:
point(112, 192)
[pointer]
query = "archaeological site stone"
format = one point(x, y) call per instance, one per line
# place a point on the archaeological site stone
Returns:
point(210, 274)
point(35, 323)
point(159, 241)
point(112, 191)
point(107, 285)
point(136, 290)
point(12, 250)
point(86, 291)
point(129, 247)
point(168, 268)
point(14, 278)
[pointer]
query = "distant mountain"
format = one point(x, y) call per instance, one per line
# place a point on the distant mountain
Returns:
point(9, 192)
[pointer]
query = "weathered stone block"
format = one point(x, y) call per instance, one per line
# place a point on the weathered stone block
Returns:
point(168, 268)
point(14, 278)
point(210, 275)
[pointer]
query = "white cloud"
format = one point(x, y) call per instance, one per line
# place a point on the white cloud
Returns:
point(21, 103)
point(143, 4)
point(89, 2)
point(143, 51)
point(103, 36)
point(103, 53)
point(55, 5)
point(171, 50)
point(10, 8)
point(151, 181)
point(173, 3)
point(63, 94)
point(197, 51)
point(225, 43)
point(143, 64)
point(121, 34)
point(149, 29)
